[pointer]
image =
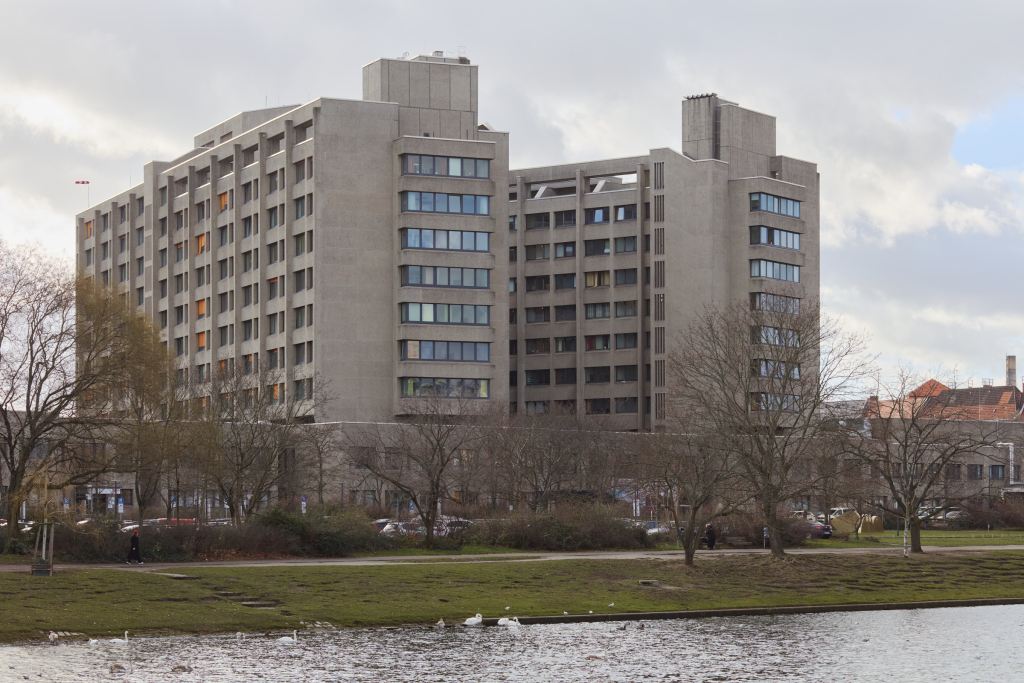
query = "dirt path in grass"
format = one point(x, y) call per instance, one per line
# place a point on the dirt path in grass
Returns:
point(182, 567)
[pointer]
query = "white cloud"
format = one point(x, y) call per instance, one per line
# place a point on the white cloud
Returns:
point(29, 218)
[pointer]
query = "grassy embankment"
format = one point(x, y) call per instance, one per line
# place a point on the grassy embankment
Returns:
point(101, 603)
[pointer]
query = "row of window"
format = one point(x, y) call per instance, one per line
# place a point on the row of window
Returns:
point(437, 202)
point(774, 270)
point(774, 336)
point(542, 314)
point(774, 237)
point(451, 240)
point(446, 314)
point(478, 352)
point(601, 374)
point(443, 276)
point(593, 342)
point(598, 278)
point(762, 301)
point(760, 201)
point(440, 387)
point(774, 369)
point(457, 167)
point(567, 219)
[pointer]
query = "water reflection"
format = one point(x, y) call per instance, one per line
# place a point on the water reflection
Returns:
point(960, 644)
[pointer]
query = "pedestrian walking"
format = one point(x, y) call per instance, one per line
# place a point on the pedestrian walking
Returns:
point(709, 533)
point(134, 554)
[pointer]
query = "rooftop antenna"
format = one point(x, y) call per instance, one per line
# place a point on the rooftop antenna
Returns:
point(462, 50)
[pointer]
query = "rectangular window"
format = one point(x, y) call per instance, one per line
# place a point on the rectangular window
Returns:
point(598, 278)
point(449, 240)
point(538, 283)
point(513, 223)
point(422, 164)
point(996, 471)
point(223, 331)
point(88, 257)
point(512, 316)
point(596, 215)
point(760, 301)
point(106, 250)
point(565, 345)
point(300, 317)
point(443, 276)
point(300, 244)
point(625, 373)
point(599, 406)
point(774, 336)
point(565, 313)
point(200, 309)
point(272, 218)
point(468, 352)
point(300, 280)
point(974, 472)
point(565, 250)
point(760, 201)
point(538, 252)
point(625, 213)
point(600, 310)
point(598, 342)
point(538, 221)
point(537, 378)
point(774, 270)
point(513, 254)
point(597, 247)
point(626, 276)
point(122, 244)
point(601, 374)
point(140, 267)
point(431, 202)
point(627, 404)
point(565, 219)
point(511, 285)
point(539, 314)
point(625, 244)
point(122, 272)
point(625, 340)
point(534, 346)
point(565, 375)
point(513, 347)
point(565, 281)
point(625, 309)
point(772, 237)
point(247, 261)
point(300, 208)
point(446, 314)
point(413, 387)
point(163, 289)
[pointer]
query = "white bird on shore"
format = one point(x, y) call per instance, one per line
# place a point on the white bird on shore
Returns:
point(440, 623)
point(94, 642)
point(288, 640)
point(612, 605)
point(507, 608)
point(503, 621)
point(118, 641)
point(53, 637)
point(474, 621)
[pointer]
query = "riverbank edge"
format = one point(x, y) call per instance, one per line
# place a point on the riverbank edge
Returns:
point(760, 611)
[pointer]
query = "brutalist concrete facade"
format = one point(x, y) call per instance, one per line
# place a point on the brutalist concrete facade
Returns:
point(593, 329)
point(321, 236)
point(280, 238)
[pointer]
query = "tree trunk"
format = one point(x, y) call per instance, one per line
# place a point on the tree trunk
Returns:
point(774, 537)
point(690, 540)
point(915, 536)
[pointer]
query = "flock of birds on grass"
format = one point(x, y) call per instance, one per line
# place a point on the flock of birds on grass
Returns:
point(511, 624)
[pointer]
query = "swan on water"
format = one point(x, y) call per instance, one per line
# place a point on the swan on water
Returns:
point(440, 623)
point(53, 637)
point(513, 623)
point(94, 642)
point(119, 641)
point(503, 621)
point(286, 640)
point(474, 621)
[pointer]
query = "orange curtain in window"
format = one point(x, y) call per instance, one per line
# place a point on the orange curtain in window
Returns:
point(201, 244)
point(224, 201)
point(201, 307)
point(201, 339)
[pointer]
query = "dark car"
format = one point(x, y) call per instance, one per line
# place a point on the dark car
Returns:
point(819, 530)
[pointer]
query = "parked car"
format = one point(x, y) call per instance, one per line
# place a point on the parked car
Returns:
point(819, 530)
point(379, 524)
point(957, 513)
point(656, 527)
point(403, 529)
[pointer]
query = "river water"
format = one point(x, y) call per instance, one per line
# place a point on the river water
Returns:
point(956, 644)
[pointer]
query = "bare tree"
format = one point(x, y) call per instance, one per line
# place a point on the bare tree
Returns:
point(64, 345)
point(919, 441)
point(699, 482)
point(245, 424)
point(418, 456)
point(758, 379)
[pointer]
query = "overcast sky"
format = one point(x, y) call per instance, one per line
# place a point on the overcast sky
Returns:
point(913, 111)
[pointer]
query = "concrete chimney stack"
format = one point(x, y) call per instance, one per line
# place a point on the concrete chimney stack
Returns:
point(1011, 371)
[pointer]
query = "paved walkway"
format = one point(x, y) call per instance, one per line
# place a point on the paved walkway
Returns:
point(180, 567)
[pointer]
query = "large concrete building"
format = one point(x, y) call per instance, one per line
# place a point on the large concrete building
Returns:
point(365, 241)
point(613, 258)
point(345, 238)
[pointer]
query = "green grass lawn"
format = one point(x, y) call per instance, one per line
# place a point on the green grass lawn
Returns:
point(101, 602)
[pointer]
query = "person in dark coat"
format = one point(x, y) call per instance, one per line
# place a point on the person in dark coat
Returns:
point(709, 534)
point(134, 554)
